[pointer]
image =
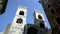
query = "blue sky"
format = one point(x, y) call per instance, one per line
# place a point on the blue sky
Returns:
point(11, 9)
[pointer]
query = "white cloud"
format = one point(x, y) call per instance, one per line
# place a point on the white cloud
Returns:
point(0, 33)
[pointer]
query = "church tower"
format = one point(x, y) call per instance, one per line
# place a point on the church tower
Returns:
point(40, 21)
point(19, 21)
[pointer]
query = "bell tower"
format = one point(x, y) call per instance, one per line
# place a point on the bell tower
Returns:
point(40, 21)
point(19, 21)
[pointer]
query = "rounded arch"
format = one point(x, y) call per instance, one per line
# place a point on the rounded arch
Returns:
point(39, 16)
point(19, 20)
point(32, 30)
point(57, 20)
point(42, 25)
point(21, 13)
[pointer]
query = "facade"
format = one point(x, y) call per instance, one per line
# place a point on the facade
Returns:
point(3, 4)
point(52, 10)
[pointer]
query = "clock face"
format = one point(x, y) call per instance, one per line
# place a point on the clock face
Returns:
point(2, 6)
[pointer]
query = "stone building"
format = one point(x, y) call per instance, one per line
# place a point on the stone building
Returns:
point(52, 10)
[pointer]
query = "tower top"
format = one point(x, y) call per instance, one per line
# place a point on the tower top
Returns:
point(38, 15)
point(21, 11)
point(24, 7)
point(37, 11)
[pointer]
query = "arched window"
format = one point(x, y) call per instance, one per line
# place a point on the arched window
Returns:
point(49, 6)
point(42, 25)
point(57, 19)
point(52, 11)
point(21, 13)
point(58, 2)
point(32, 30)
point(39, 16)
point(19, 20)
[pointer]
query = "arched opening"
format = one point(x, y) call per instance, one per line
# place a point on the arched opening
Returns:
point(52, 11)
point(21, 13)
point(58, 20)
point(49, 6)
point(32, 30)
point(40, 17)
point(19, 20)
point(42, 25)
point(59, 2)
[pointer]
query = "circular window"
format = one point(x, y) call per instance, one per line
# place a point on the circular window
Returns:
point(32, 30)
point(21, 13)
point(40, 17)
point(19, 20)
point(42, 25)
